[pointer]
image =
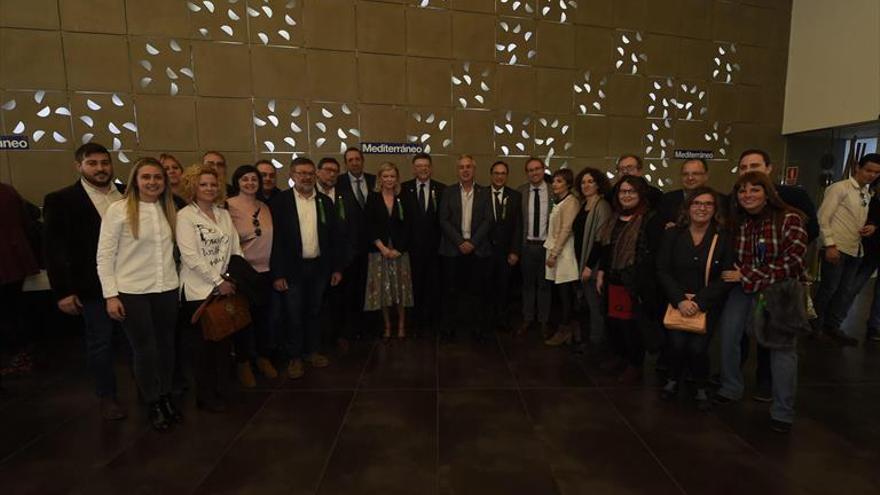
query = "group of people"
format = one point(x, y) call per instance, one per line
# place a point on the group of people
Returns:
point(611, 259)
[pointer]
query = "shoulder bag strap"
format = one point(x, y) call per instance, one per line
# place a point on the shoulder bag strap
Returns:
point(709, 259)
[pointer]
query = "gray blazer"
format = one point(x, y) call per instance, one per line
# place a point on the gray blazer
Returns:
point(596, 219)
point(449, 215)
point(526, 191)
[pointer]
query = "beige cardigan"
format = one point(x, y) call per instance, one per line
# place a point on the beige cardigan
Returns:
point(559, 230)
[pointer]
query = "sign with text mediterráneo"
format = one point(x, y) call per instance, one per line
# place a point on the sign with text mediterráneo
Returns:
point(392, 148)
point(693, 154)
point(14, 142)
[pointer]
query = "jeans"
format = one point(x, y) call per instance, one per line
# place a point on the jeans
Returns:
point(498, 283)
point(302, 336)
point(833, 298)
point(689, 348)
point(536, 288)
point(595, 313)
point(783, 363)
point(866, 269)
point(99, 346)
point(150, 321)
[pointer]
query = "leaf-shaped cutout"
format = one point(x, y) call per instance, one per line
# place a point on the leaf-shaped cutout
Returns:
point(274, 120)
point(208, 5)
point(145, 81)
point(289, 20)
point(268, 11)
point(62, 111)
point(152, 50)
point(447, 142)
point(284, 34)
point(87, 120)
point(456, 81)
point(467, 79)
point(505, 150)
point(117, 143)
point(484, 86)
point(441, 125)
point(58, 137)
point(173, 89)
point(174, 45)
point(147, 65)
point(259, 122)
point(38, 134)
point(232, 15)
point(39, 95)
point(9, 105)
point(297, 111)
point(44, 112)
point(295, 128)
point(19, 128)
point(130, 126)
point(430, 119)
point(87, 137)
point(463, 102)
point(345, 109)
point(227, 29)
point(354, 132)
point(170, 73)
point(253, 12)
point(342, 147)
point(112, 128)
point(424, 137)
point(193, 7)
point(123, 158)
point(341, 134)
point(263, 37)
point(290, 141)
point(186, 71)
point(326, 113)
point(321, 126)
point(269, 145)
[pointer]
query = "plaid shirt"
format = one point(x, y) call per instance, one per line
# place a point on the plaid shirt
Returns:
point(764, 258)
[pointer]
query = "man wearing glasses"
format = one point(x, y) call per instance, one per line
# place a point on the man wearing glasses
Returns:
point(217, 161)
point(842, 217)
point(694, 174)
point(630, 164)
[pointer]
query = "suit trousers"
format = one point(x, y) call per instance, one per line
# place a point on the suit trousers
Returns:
point(304, 296)
point(354, 283)
point(536, 288)
point(150, 323)
point(464, 282)
point(425, 268)
point(497, 293)
point(99, 346)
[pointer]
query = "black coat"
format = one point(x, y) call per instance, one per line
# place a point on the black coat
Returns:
point(356, 225)
point(72, 228)
point(798, 198)
point(392, 229)
point(450, 222)
point(286, 259)
point(505, 232)
point(425, 224)
point(681, 267)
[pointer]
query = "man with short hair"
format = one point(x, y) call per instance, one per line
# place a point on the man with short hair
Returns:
point(505, 237)
point(425, 192)
point(464, 217)
point(842, 222)
point(536, 289)
point(268, 181)
point(217, 161)
point(358, 184)
point(306, 255)
point(694, 174)
point(632, 164)
point(73, 222)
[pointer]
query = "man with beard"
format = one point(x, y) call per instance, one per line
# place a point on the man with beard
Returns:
point(73, 222)
point(425, 192)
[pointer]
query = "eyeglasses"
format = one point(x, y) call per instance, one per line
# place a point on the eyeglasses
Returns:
point(628, 192)
point(703, 204)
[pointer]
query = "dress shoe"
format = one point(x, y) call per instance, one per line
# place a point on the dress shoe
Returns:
point(780, 426)
point(763, 393)
point(318, 361)
point(630, 376)
point(158, 420)
point(267, 368)
point(296, 369)
point(702, 399)
point(562, 336)
point(171, 412)
point(720, 400)
point(670, 390)
point(111, 410)
point(246, 375)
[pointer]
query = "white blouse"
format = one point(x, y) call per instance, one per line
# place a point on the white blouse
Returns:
point(136, 266)
point(205, 248)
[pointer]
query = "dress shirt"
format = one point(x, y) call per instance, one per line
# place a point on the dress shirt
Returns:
point(363, 185)
point(467, 211)
point(102, 200)
point(329, 192)
point(427, 200)
point(497, 193)
point(205, 248)
point(842, 213)
point(136, 266)
point(545, 207)
point(307, 211)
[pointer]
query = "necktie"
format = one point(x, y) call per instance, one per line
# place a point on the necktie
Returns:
point(422, 197)
point(358, 194)
point(498, 212)
point(536, 219)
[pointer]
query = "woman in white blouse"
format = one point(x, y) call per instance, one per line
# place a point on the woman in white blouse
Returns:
point(207, 239)
point(139, 280)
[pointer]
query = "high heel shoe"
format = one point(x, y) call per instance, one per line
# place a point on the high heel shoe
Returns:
point(562, 336)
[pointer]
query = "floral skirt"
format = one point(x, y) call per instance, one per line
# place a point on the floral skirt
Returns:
point(389, 282)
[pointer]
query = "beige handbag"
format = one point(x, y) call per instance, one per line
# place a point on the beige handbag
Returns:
point(674, 320)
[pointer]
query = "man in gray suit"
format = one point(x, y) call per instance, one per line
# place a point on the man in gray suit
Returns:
point(536, 288)
point(464, 215)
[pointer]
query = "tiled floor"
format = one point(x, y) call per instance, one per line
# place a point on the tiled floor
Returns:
point(422, 417)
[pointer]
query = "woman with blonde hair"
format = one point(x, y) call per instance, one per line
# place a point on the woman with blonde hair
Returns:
point(207, 239)
point(389, 280)
point(174, 170)
point(139, 281)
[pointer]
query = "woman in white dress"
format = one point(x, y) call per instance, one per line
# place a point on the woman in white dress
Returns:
point(562, 264)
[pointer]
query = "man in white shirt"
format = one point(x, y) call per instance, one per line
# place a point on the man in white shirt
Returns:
point(307, 254)
point(73, 221)
point(536, 215)
point(842, 217)
point(464, 215)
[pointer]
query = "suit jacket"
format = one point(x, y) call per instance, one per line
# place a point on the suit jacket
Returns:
point(525, 192)
point(392, 229)
point(505, 234)
point(17, 259)
point(348, 214)
point(72, 229)
point(286, 259)
point(356, 224)
point(425, 225)
point(449, 215)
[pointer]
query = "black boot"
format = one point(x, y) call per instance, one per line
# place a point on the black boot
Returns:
point(171, 412)
point(158, 420)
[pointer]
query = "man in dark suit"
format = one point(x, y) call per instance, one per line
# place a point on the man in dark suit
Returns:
point(465, 217)
point(73, 223)
point(268, 183)
point(536, 290)
point(425, 192)
point(217, 161)
point(358, 184)
point(306, 255)
point(505, 237)
point(694, 174)
point(344, 205)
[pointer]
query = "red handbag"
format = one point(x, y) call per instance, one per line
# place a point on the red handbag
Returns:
point(620, 305)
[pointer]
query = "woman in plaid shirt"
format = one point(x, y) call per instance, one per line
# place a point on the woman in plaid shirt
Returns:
point(770, 243)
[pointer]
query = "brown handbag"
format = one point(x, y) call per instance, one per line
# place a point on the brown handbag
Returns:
point(222, 316)
point(674, 320)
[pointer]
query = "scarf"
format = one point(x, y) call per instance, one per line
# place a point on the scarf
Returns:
point(623, 253)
